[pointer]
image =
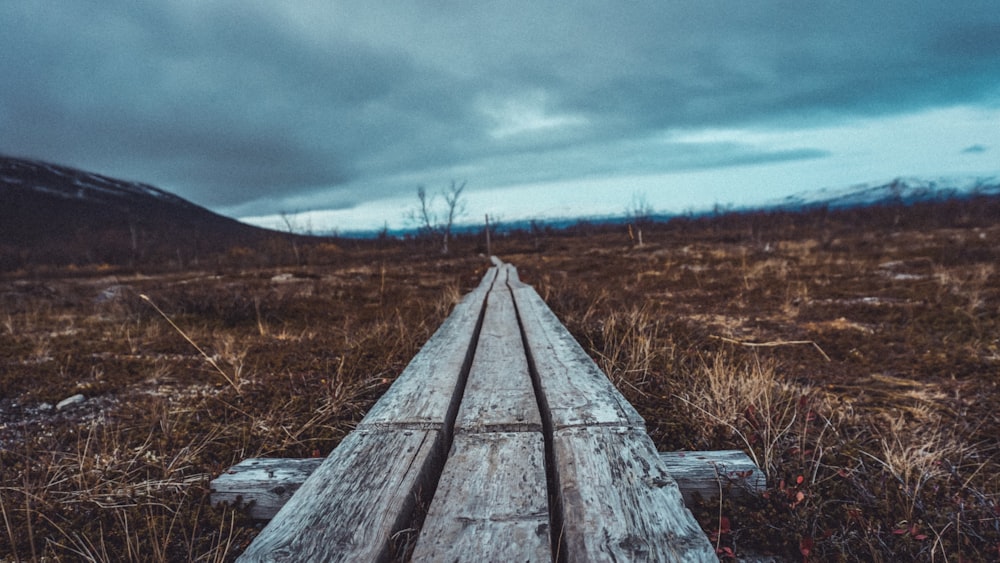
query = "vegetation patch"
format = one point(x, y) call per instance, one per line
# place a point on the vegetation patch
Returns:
point(853, 355)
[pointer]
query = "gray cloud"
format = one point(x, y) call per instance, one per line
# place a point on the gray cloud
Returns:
point(233, 102)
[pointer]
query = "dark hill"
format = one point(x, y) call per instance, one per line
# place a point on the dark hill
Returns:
point(56, 215)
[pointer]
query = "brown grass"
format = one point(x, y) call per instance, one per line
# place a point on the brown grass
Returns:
point(886, 452)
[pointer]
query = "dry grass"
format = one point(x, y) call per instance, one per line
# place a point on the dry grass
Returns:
point(749, 398)
point(886, 452)
point(880, 443)
point(631, 345)
point(223, 367)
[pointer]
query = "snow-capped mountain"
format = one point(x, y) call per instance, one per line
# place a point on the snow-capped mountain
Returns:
point(897, 191)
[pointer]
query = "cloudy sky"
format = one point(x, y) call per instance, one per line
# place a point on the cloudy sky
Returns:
point(341, 108)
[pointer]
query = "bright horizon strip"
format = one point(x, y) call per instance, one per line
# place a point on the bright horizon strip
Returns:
point(928, 144)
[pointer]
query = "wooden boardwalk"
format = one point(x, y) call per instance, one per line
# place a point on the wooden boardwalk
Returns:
point(514, 442)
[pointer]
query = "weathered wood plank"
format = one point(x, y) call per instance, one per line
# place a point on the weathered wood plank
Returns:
point(349, 508)
point(617, 501)
point(366, 490)
point(574, 389)
point(424, 395)
point(265, 484)
point(706, 474)
point(499, 395)
point(491, 503)
point(695, 473)
point(614, 499)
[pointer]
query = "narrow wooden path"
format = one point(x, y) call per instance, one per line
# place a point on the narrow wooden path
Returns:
point(515, 443)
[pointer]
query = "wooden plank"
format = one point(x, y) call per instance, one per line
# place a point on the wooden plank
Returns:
point(617, 501)
point(424, 395)
point(575, 391)
point(350, 507)
point(707, 474)
point(366, 490)
point(265, 484)
point(499, 395)
point(491, 503)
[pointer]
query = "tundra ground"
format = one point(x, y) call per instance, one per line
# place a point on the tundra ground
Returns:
point(855, 356)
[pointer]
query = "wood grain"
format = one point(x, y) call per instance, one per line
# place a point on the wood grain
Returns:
point(499, 395)
point(350, 507)
point(366, 490)
point(617, 501)
point(491, 502)
point(707, 474)
point(587, 447)
point(575, 391)
point(424, 395)
point(265, 484)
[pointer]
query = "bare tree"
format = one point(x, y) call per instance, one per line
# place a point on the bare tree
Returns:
point(292, 229)
point(639, 212)
point(425, 219)
point(429, 223)
point(456, 208)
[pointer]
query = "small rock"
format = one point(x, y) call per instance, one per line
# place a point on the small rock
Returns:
point(110, 294)
point(45, 407)
point(69, 401)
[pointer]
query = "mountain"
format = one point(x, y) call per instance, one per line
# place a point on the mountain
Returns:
point(900, 191)
point(905, 191)
point(52, 214)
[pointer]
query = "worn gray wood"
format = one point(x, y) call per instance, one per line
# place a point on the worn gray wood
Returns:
point(617, 501)
point(265, 484)
point(575, 390)
point(491, 503)
point(424, 395)
point(349, 508)
point(366, 490)
point(614, 497)
point(614, 500)
point(706, 474)
point(499, 395)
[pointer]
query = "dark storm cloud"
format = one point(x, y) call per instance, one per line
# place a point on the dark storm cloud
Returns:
point(228, 102)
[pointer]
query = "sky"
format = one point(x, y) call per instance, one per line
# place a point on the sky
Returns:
point(331, 113)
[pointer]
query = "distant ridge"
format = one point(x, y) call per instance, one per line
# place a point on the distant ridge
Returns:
point(901, 190)
point(898, 191)
point(60, 215)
